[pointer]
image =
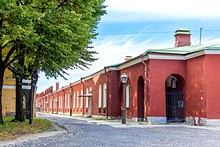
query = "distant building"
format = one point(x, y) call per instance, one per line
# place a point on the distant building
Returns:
point(177, 84)
point(8, 94)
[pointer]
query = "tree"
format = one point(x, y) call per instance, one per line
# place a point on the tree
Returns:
point(15, 27)
point(51, 35)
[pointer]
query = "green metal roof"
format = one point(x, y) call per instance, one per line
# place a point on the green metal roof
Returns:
point(184, 50)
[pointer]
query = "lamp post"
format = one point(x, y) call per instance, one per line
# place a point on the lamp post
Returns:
point(124, 79)
point(70, 102)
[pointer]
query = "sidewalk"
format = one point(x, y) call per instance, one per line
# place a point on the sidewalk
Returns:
point(131, 123)
point(114, 123)
point(104, 121)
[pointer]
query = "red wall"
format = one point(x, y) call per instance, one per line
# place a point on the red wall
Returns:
point(212, 73)
point(195, 92)
point(96, 81)
point(158, 72)
point(114, 96)
point(133, 73)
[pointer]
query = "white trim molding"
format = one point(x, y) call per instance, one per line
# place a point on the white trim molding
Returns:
point(156, 120)
point(166, 57)
point(203, 121)
point(210, 122)
point(8, 87)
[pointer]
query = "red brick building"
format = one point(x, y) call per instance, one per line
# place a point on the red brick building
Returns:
point(164, 85)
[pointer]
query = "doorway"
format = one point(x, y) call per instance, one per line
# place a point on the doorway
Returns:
point(175, 98)
point(140, 101)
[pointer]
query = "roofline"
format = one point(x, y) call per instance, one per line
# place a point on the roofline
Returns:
point(150, 54)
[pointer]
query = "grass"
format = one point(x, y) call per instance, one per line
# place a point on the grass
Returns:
point(100, 118)
point(11, 130)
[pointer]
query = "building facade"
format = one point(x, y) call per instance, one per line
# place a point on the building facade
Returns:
point(177, 84)
point(8, 94)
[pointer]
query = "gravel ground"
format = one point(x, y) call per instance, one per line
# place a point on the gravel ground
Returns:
point(86, 134)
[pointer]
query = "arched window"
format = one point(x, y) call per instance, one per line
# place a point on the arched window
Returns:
point(127, 96)
point(61, 102)
point(81, 99)
point(74, 99)
point(171, 82)
point(104, 96)
point(100, 96)
point(77, 99)
point(87, 99)
point(68, 100)
point(65, 96)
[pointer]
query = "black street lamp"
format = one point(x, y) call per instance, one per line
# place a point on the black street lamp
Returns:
point(124, 79)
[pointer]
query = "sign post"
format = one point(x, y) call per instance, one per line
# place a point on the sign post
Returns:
point(28, 85)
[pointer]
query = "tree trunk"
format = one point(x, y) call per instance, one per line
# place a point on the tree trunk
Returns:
point(19, 100)
point(27, 113)
point(19, 114)
point(1, 86)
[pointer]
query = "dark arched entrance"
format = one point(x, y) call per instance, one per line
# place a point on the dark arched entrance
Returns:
point(175, 98)
point(140, 112)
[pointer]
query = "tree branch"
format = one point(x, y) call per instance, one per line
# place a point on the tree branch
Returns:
point(11, 51)
point(12, 69)
point(4, 46)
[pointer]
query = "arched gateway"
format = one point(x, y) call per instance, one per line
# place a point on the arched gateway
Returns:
point(175, 98)
point(140, 113)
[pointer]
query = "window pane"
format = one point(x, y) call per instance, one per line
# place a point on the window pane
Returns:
point(127, 96)
point(87, 100)
point(104, 96)
point(81, 99)
point(100, 96)
point(74, 99)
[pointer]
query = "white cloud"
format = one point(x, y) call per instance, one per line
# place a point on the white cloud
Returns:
point(160, 9)
point(112, 50)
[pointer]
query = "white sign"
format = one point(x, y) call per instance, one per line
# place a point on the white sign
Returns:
point(26, 81)
point(26, 87)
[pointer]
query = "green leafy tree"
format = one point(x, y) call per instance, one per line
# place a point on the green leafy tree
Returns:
point(51, 36)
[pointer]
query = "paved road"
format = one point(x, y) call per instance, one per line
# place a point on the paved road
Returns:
point(86, 134)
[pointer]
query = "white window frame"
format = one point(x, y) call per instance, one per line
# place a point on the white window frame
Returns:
point(100, 96)
point(74, 99)
point(68, 100)
point(127, 98)
point(87, 99)
point(65, 101)
point(61, 102)
point(81, 100)
point(104, 96)
point(77, 99)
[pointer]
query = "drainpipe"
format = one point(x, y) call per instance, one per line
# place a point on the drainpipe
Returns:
point(107, 96)
point(83, 94)
point(145, 80)
point(71, 100)
point(63, 100)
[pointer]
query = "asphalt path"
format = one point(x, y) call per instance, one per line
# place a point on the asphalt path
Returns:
point(91, 133)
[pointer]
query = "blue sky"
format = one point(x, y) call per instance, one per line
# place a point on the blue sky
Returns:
point(131, 27)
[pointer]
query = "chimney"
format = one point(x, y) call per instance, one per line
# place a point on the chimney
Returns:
point(51, 89)
point(57, 86)
point(128, 58)
point(182, 37)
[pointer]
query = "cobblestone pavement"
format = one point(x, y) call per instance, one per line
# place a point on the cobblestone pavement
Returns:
point(85, 133)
